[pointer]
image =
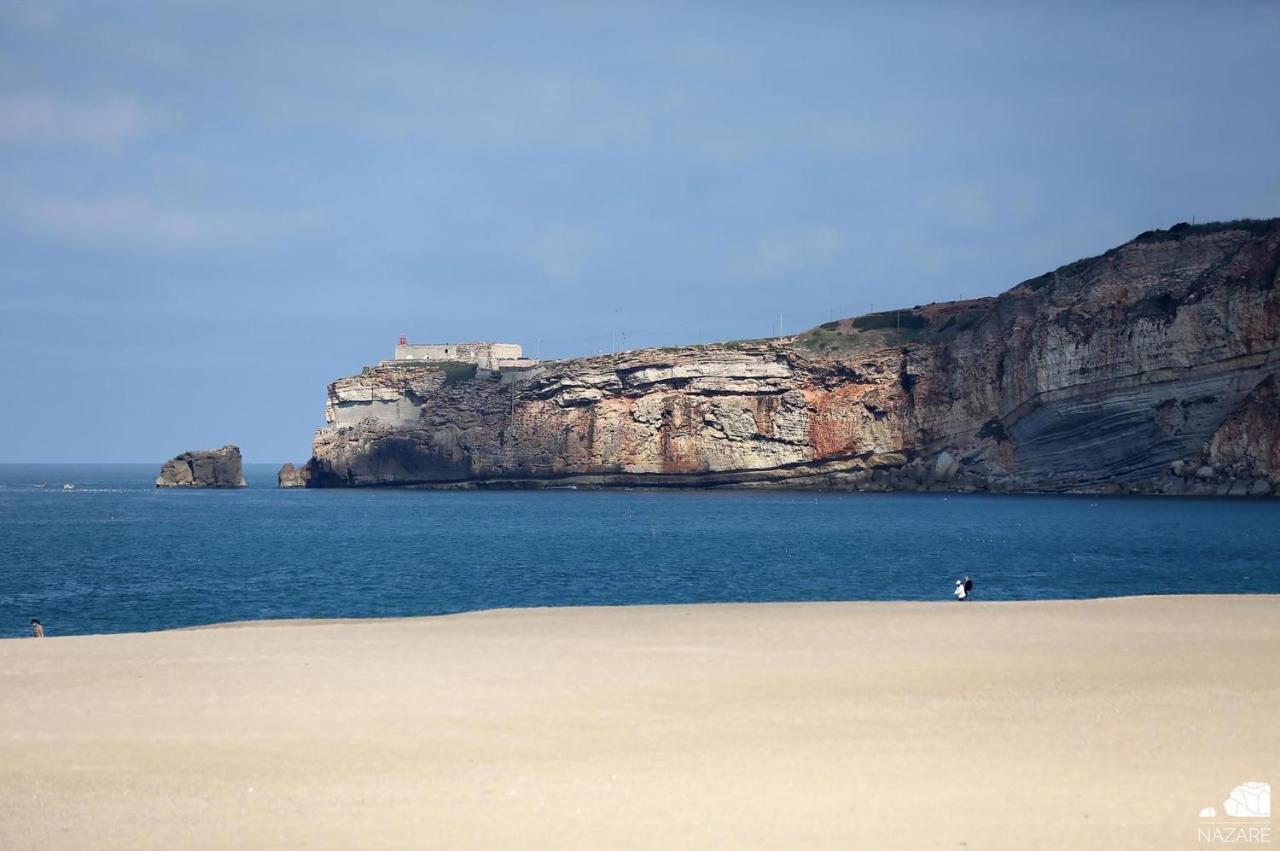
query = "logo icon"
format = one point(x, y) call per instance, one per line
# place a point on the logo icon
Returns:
point(1241, 811)
point(1249, 800)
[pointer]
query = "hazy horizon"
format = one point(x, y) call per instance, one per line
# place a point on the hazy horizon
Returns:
point(210, 212)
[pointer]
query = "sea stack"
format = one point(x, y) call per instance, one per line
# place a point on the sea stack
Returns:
point(293, 477)
point(203, 468)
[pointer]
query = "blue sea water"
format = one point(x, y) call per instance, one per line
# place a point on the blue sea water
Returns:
point(117, 555)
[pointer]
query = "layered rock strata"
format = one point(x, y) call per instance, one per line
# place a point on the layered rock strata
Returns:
point(1148, 369)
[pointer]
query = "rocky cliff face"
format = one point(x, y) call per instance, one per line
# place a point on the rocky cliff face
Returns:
point(1148, 369)
point(205, 468)
point(293, 477)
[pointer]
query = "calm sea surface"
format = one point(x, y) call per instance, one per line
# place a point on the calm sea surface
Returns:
point(117, 555)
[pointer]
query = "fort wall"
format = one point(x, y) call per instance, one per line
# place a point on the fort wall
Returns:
point(486, 355)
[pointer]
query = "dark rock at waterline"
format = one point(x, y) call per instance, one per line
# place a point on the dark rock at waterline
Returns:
point(203, 468)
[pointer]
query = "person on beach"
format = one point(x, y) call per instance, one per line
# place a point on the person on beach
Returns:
point(37, 628)
point(963, 588)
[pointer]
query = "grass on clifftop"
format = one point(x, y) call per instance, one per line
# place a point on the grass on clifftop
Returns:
point(1182, 230)
point(892, 328)
point(880, 332)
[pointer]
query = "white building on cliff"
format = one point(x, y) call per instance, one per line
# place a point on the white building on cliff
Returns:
point(496, 356)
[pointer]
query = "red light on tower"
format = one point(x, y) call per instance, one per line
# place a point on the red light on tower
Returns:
point(404, 341)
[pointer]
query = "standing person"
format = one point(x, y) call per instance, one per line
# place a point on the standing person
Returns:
point(959, 590)
point(37, 628)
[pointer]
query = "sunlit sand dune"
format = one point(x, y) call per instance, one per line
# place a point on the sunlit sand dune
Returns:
point(1081, 724)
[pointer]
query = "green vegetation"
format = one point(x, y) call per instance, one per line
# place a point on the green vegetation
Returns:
point(872, 331)
point(893, 328)
point(819, 340)
point(896, 319)
point(961, 322)
point(1182, 229)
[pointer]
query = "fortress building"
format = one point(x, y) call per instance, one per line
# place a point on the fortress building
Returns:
point(496, 356)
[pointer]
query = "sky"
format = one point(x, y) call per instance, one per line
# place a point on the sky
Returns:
point(210, 210)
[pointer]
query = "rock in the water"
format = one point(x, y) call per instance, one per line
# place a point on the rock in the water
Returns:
point(208, 468)
point(293, 477)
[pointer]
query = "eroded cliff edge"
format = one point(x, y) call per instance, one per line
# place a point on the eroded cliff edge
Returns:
point(1148, 369)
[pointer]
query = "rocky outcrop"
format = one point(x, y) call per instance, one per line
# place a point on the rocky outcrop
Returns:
point(1243, 455)
point(208, 468)
point(293, 477)
point(1134, 371)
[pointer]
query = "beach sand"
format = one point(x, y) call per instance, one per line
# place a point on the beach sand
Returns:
point(1069, 724)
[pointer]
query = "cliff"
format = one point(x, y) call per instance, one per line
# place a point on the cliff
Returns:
point(203, 468)
point(1148, 369)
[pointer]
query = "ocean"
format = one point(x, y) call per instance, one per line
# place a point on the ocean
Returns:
point(117, 555)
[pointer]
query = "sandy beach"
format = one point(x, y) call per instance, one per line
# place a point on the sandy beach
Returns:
point(1077, 724)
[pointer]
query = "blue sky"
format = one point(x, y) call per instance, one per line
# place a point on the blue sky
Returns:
point(208, 211)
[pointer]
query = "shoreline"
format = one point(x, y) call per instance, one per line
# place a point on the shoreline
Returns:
point(674, 483)
point(1103, 723)
point(357, 620)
